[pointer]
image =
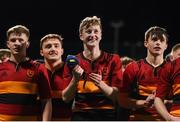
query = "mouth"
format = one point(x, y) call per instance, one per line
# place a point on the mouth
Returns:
point(17, 49)
point(91, 41)
point(157, 48)
point(52, 53)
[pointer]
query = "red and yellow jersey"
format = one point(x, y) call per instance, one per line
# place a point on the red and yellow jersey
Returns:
point(170, 81)
point(19, 87)
point(88, 95)
point(140, 80)
point(61, 111)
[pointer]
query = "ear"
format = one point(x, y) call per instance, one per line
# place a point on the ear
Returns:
point(7, 44)
point(145, 43)
point(41, 52)
point(27, 44)
point(166, 46)
point(62, 51)
point(80, 36)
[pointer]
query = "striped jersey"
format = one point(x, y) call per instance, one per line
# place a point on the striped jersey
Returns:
point(170, 81)
point(140, 80)
point(20, 84)
point(61, 111)
point(88, 95)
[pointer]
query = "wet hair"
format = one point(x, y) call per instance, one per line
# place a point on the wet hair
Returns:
point(156, 32)
point(51, 36)
point(5, 52)
point(18, 30)
point(126, 60)
point(89, 21)
point(175, 47)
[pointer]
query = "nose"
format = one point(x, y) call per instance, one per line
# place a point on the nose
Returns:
point(17, 42)
point(92, 33)
point(158, 42)
point(52, 48)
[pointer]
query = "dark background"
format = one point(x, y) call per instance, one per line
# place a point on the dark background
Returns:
point(133, 17)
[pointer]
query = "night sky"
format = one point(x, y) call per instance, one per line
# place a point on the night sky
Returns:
point(133, 17)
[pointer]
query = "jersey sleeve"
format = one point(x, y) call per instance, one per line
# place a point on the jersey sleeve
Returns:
point(116, 72)
point(129, 76)
point(43, 83)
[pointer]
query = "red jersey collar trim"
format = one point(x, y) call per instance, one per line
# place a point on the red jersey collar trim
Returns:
point(83, 57)
point(145, 61)
point(27, 59)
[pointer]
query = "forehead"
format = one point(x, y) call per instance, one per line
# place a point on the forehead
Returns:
point(177, 51)
point(51, 41)
point(17, 35)
point(92, 27)
point(158, 36)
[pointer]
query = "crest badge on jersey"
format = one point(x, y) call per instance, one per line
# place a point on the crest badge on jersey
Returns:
point(30, 73)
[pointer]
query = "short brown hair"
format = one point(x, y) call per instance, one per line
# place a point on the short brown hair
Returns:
point(157, 31)
point(18, 29)
point(175, 47)
point(126, 60)
point(88, 21)
point(51, 36)
point(5, 51)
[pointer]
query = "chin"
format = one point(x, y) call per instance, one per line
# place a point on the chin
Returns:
point(91, 45)
point(15, 53)
point(157, 54)
point(53, 58)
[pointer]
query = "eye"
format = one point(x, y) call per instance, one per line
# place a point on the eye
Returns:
point(48, 46)
point(56, 45)
point(162, 40)
point(88, 31)
point(154, 39)
point(96, 31)
point(12, 40)
point(21, 40)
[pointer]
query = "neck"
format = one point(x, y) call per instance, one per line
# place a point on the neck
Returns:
point(17, 58)
point(155, 60)
point(52, 66)
point(92, 54)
